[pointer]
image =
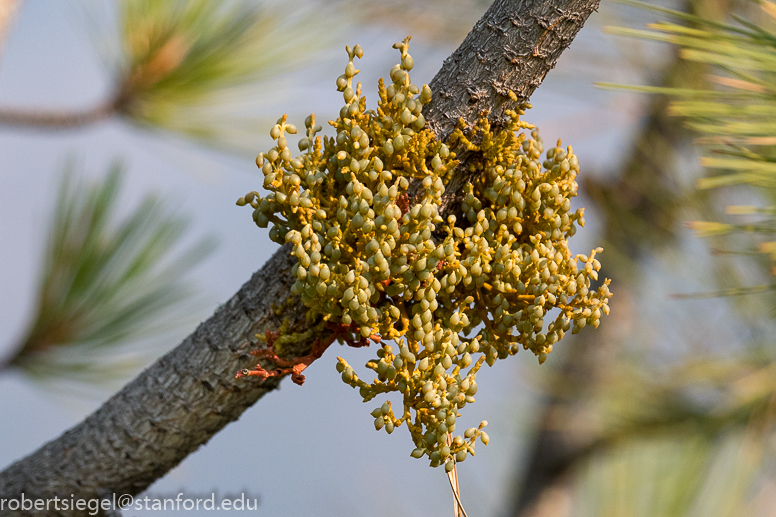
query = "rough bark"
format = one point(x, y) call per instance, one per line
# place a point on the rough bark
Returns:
point(512, 47)
point(187, 396)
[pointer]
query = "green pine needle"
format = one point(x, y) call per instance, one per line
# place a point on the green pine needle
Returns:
point(202, 68)
point(107, 287)
point(735, 120)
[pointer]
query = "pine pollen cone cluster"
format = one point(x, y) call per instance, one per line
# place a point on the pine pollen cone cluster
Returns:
point(378, 262)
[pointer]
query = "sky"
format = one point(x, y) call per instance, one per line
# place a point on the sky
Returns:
point(309, 450)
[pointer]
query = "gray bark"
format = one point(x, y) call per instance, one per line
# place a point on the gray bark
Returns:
point(188, 395)
point(512, 47)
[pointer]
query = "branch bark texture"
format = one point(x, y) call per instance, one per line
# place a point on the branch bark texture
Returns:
point(512, 47)
point(188, 395)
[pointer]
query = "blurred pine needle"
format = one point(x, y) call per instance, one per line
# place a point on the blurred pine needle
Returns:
point(692, 439)
point(733, 118)
point(664, 433)
point(106, 286)
point(202, 68)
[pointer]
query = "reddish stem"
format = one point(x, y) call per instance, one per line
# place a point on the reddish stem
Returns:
point(297, 365)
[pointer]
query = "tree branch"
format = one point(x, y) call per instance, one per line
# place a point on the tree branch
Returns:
point(512, 47)
point(188, 395)
point(57, 119)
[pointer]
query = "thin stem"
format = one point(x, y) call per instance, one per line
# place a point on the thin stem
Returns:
point(54, 120)
point(453, 484)
point(452, 476)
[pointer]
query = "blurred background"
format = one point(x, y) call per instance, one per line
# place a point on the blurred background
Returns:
point(128, 129)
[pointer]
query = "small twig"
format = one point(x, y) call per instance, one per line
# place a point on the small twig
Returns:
point(458, 506)
point(53, 120)
point(297, 365)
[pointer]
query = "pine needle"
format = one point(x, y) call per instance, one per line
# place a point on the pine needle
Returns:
point(206, 68)
point(107, 286)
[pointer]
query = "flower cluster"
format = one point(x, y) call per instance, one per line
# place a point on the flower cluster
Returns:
point(442, 295)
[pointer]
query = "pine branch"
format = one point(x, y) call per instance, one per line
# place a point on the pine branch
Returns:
point(106, 284)
point(178, 66)
point(40, 119)
point(178, 403)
